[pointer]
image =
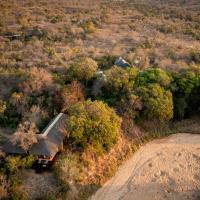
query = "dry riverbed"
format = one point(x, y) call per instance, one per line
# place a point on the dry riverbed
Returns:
point(163, 169)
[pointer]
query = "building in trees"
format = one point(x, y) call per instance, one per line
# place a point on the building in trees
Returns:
point(47, 145)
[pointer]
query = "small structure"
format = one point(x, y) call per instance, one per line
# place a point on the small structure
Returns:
point(120, 62)
point(50, 141)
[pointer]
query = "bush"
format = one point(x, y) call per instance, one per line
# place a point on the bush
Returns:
point(157, 102)
point(93, 123)
point(69, 95)
point(195, 56)
point(37, 82)
point(185, 89)
point(25, 136)
point(120, 82)
point(14, 163)
point(19, 195)
point(9, 117)
point(89, 27)
point(106, 61)
point(153, 75)
point(82, 69)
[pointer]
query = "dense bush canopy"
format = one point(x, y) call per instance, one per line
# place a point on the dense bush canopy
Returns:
point(186, 92)
point(157, 102)
point(153, 75)
point(120, 82)
point(93, 123)
point(82, 69)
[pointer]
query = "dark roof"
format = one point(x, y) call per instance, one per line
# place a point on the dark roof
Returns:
point(9, 147)
point(44, 147)
point(121, 62)
point(49, 140)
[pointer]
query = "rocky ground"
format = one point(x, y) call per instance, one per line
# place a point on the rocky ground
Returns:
point(163, 169)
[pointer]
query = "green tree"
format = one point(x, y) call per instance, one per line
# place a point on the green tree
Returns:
point(82, 69)
point(93, 123)
point(153, 75)
point(185, 91)
point(119, 82)
point(157, 102)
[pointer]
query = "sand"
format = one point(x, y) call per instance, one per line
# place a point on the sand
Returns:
point(163, 169)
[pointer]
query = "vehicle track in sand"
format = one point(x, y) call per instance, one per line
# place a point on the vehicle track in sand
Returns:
point(166, 168)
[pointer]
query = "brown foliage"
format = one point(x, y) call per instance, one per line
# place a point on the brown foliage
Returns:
point(25, 136)
point(69, 95)
point(38, 80)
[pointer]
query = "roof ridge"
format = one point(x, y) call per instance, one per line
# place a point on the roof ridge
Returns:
point(45, 133)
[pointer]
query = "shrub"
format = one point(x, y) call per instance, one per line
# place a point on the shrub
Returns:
point(13, 163)
point(2, 106)
point(37, 82)
point(120, 79)
point(185, 91)
point(27, 161)
point(195, 56)
point(3, 186)
point(93, 123)
point(120, 82)
point(10, 117)
point(157, 102)
point(67, 168)
point(19, 195)
point(82, 69)
point(89, 27)
point(25, 136)
point(106, 61)
point(69, 95)
point(153, 75)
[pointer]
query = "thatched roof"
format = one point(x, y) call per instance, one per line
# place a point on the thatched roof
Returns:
point(9, 147)
point(44, 147)
point(49, 140)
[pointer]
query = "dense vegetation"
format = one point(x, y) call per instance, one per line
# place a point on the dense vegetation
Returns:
point(60, 58)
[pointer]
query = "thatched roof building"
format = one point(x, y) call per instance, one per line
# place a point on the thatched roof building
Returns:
point(50, 141)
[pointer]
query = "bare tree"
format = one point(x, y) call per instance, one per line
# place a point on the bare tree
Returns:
point(25, 136)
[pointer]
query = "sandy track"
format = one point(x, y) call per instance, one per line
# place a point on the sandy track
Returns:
point(163, 169)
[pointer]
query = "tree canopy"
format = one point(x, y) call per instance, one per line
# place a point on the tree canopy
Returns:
point(157, 102)
point(82, 69)
point(153, 75)
point(93, 123)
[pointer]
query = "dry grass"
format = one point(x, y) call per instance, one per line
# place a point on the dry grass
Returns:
point(91, 28)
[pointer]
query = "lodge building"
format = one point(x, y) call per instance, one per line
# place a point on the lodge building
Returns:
point(49, 142)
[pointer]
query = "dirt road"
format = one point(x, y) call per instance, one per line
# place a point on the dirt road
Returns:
point(163, 169)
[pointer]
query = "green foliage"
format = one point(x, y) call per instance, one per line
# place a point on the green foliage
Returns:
point(153, 75)
point(120, 82)
point(9, 117)
point(195, 56)
point(19, 195)
point(186, 83)
point(82, 69)
point(93, 123)
point(2, 106)
point(14, 163)
point(106, 61)
point(67, 169)
point(27, 161)
point(157, 102)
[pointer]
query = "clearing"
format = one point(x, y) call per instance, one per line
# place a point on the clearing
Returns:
point(167, 168)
